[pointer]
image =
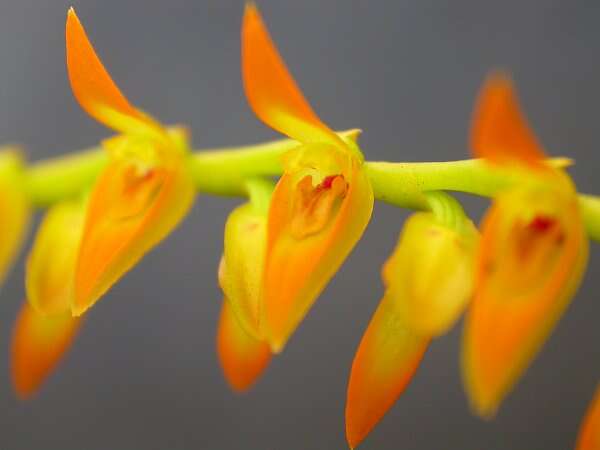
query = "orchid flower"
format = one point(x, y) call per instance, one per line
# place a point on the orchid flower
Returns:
point(322, 202)
point(144, 191)
point(532, 255)
point(243, 351)
point(428, 282)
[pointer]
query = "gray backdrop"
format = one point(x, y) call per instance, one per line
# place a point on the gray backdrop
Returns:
point(143, 374)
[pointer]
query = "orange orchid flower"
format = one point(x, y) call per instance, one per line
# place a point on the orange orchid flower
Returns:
point(532, 255)
point(589, 433)
point(39, 342)
point(144, 191)
point(15, 209)
point(321, 204)
point(428, 283)
point(243, 352)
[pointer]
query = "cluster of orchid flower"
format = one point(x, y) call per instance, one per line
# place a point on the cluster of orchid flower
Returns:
point(108, 206)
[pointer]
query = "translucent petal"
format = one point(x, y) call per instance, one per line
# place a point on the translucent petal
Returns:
point(51, 262)
point(387, 358)
point(271, 90)
point(243, 358)
point(39, 343)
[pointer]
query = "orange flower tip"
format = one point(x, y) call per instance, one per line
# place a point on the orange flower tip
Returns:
point(38, 345)
point(500, 132)
point(589, 431)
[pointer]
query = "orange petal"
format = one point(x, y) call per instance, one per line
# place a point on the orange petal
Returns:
point(308, 238)
point(15, 208)
point(387, 358)
point(500, 133)
point(93, 87)
point(243, 358)
point(51, 262)
point(589, 433)
point(532, 255)
point(134, 205)
point(271, 90)
point(38, 344)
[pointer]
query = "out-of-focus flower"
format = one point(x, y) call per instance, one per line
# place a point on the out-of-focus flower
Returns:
point(45, 328)
point(532, 255)
point(589, 433)
point(15, 209)
point(429, 280)
point(321, 204)
point(243, 351)
point(38, 344)
point(143, 192)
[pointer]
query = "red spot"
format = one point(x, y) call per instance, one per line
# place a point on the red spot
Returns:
point(542, 224)
point(328, 181)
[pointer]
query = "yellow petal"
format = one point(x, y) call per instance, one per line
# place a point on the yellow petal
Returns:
point(271, 90)
point(312, 227)
point(38, 345)
point(243, 358)
point(532, 255)
point(15, 209)
point(51, 262)
point(245, 240)
point(431, 273)
point(387, 358)
point(139, 198)
point(94, 88)
point(589, 433)
point(500, 133)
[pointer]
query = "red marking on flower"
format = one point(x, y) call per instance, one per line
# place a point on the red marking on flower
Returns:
point(542, 224)
point(328, 181)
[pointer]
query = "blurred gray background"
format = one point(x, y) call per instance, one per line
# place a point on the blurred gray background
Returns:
point(144, 374)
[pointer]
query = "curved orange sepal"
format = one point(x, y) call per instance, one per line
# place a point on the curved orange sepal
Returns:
point(271, 90)
point(589, 433)
point(387, 358)
point(499, 132)
point(529, 265)
point(243, 358)
point(134, 205)
point(94, 88)
point(38, 344)
point(302, 253)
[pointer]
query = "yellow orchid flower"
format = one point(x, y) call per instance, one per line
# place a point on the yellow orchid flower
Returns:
point(143, 192)
point(15, 209)
point(589, 433)
point(532, 255)
point(243, 352)
point(51, 262)
point(428, 281)
point(39, 342)
point(322, 202)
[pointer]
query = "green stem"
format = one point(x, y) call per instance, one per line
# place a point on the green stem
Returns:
point(225, 171)
point(50, 181)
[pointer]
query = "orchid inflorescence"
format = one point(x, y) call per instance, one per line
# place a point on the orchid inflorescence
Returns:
point(108, 206)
